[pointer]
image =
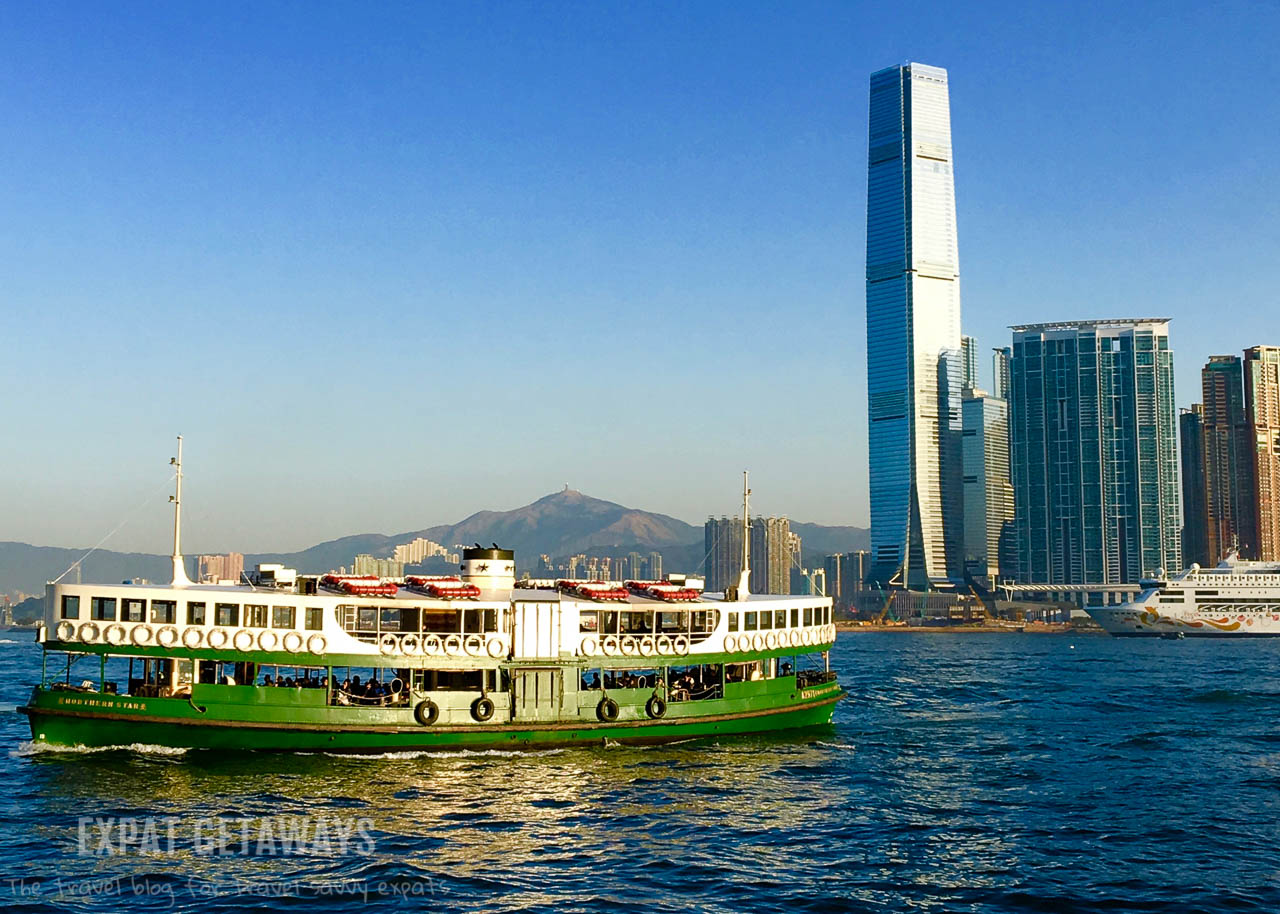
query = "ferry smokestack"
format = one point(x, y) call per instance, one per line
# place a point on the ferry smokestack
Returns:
point(489, 569)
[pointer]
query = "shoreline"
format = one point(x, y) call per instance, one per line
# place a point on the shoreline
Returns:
point(1061, 628)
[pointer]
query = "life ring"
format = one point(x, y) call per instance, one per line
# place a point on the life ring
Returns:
point(192, 638)
point(473, 645)
point(771, 640)
point(609, 644)
point(646, 646)
point(317, 643)
point(397, 686)
point(629, 645)
point(452, 644)
point(810, 637)
point(793, 637)
point(427, 712)
point(430, 644)
point(730, 642)
point(589, 646)
point(89, 632)
point(410, 643)
point(681, 644)
point(267, 640)
point(831, 632)
point(142, 634)
point(757, 641)
point(389, 644)
point(497, 647)
point(218, 638)
point(115, 634)
point(242, 640)
point(65, 630)
point(663, 643)
point(292, 642)
point(167, 636)
point(655, 707)
point(607, 710)
point(482, 708)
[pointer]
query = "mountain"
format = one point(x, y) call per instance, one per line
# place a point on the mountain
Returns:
point(560, 524)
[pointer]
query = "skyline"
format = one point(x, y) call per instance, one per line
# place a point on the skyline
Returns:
point(221, 224)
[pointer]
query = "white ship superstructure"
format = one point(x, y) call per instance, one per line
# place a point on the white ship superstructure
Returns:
point(1235, 599)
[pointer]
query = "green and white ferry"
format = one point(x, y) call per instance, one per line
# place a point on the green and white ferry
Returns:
point(475, 660)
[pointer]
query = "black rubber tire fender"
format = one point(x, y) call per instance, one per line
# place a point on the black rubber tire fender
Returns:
point(607, 710)
point(482, 708)
point(427, 712)
point(656, 707)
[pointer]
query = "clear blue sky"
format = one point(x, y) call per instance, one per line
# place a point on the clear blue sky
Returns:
point(384, 265)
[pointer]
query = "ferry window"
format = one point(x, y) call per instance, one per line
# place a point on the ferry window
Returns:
point(102, 609)
point(795, 618)
point(70, 607)
point(226, 613)
point(808, 615)
point(609, 623)
point(282, 617)
point(589, 620)
point(471, 620)
point(780, 618)
point(733, 622)
point(634, 623)
point(255, 615)
point(134, 610)
point(766, 620)
point(315, 618)
point(195, 614)
point(366, 619)
point(749, 622)
point(490, 620)
point(389, 619)
point(164, 611)
point(671, 622)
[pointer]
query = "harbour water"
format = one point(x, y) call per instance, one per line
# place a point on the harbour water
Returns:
point(983, 773)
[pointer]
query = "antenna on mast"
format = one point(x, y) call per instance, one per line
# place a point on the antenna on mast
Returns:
point(180, 578)
point(744, 579)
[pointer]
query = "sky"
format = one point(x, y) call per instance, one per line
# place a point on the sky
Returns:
point(385, 265)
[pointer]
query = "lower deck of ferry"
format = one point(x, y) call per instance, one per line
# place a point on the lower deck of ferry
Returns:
point(105, 700)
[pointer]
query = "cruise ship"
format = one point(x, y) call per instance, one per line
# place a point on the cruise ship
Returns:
point(1237, 599)
point(345, 663)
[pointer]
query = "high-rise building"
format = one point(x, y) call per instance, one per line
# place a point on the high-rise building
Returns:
point(1195, 517)
point(988, 491)
point(1094, 456)
point(968, 363)
point(229, 567)
point(383, 568)
point(1228, 464)
point(722, 539)
point(653, 569)
point(1262, 393)
point(771, 553)
point(414, 551)
point(913, 329)
point(1000, 371)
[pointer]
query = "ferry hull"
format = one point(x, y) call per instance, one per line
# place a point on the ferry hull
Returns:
point(98, 728)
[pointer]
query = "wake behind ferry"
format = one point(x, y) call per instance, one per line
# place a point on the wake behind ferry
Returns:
point(1236, 599)
point(343, 663)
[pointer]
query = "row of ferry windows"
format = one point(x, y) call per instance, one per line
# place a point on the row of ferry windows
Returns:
point(764, 620)
point(165, 612)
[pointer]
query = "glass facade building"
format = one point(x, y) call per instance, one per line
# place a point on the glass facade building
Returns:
point(1195, 518)
point(1262, 397)
point(1228, 461)
point(1094, 451)
point(914, 370)
point(988, 491)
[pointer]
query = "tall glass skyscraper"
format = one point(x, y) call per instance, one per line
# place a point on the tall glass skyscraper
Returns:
point(913, 330)
point(1094, 448)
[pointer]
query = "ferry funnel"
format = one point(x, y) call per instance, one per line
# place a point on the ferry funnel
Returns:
point(489, 569)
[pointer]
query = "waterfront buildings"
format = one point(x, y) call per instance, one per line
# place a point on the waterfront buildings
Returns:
point(968, 363)
point(846, 574)
point(415, 551)
point(773, 546)
point(383, 568)
point(1195, 517)
point(1228, 461)
point(988, 490)
point(1000, 371)
point(1094, 456)
point(214, 568)
point(913, 329)
point(653, 571)
point(1262, 397)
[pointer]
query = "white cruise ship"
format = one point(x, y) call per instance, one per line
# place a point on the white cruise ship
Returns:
point(1236, 599)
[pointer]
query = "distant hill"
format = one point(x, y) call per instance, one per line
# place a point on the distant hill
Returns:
point(560, 524)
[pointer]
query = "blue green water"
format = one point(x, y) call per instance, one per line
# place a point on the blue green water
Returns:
point(962, 773)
